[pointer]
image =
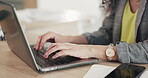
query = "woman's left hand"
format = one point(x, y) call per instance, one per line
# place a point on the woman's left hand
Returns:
point(80, 51)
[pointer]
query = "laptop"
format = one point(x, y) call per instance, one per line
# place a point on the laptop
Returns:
point(19, 45)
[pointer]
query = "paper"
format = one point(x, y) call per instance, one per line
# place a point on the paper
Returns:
point(100, 71)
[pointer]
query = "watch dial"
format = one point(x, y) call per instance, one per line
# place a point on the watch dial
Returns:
point(110, 52)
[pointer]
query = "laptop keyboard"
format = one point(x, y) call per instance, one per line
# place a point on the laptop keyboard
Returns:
point(46, 62)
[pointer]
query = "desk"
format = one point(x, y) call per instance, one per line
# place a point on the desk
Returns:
point(13, 67)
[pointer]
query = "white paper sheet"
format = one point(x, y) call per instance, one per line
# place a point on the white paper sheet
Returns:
point(98, 71)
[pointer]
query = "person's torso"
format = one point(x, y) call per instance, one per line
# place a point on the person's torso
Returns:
point(141, 31)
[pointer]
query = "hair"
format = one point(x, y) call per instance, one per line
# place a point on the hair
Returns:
point(107, 5)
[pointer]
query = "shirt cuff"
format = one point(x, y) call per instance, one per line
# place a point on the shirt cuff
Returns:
point(123, 52)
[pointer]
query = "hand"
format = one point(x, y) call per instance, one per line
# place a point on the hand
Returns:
point(80, 51)
point(57, 38)
point(50, 37)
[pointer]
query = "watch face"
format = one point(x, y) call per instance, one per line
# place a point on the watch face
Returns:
point(110, 52)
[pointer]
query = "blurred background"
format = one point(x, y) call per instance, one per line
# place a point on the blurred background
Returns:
point(76, 16)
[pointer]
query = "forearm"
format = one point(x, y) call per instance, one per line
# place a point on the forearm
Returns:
point(80, 39)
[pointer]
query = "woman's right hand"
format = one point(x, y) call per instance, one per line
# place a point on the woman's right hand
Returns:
point(57, 38)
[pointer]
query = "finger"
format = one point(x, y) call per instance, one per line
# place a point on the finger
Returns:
point(38, 42)
point(69, 52)
point(61, 53)
point(55, 48)
point(44, 40)
point(58, 46)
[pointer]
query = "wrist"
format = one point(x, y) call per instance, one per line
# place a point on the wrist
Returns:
point(111, 53)
point(99, 51)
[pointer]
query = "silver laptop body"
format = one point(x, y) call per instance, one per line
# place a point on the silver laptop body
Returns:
point(18, 43)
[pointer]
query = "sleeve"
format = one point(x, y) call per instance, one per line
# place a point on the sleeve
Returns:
point(104, 35)
point(133, 53)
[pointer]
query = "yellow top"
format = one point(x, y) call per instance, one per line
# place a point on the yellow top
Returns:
point(128, 25)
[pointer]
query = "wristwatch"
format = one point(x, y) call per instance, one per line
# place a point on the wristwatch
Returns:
point(110, 53)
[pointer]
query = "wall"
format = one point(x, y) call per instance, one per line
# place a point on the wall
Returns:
point(89, 7)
